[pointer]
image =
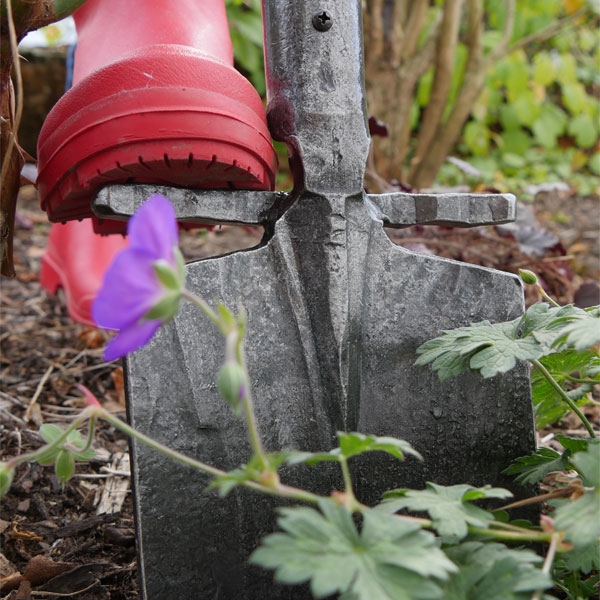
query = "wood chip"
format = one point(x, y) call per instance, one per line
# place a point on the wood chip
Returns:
point(116, 487)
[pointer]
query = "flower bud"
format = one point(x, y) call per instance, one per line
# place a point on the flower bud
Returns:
point(528, 277)
point(64, 466)
point(231, 383)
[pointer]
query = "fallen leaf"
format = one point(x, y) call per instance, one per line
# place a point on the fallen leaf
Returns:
point(40, 569)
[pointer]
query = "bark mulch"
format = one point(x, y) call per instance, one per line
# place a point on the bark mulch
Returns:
point(79, 541)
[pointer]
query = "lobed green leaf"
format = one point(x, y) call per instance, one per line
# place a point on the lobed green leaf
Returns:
point(491, 571)
point(579, 518)
point(448, 506)
point(390, 559)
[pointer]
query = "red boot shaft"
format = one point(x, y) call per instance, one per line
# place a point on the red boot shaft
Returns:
point(155, 99)
point(147, 112)
point(109, 29)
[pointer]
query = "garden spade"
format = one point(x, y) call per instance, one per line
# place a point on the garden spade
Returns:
point(335, 314)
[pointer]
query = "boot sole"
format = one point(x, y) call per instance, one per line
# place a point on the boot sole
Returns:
point(175, 131)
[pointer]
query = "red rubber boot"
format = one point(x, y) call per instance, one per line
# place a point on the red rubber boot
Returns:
point(155, 99)
point(76, 259)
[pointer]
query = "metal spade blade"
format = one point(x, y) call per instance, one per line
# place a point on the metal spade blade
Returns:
point(335, 314)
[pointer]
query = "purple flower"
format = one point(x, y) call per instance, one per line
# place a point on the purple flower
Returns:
point(142, 286)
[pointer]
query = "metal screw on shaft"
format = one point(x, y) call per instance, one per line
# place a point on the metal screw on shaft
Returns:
point(322, 20)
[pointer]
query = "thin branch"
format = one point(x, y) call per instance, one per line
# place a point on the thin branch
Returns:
point(19, 80)
point(507, 34)
point(545, 33)
point(444, 67)
point(416, 19)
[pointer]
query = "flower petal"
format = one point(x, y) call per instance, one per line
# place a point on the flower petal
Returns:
point(154, 228)
point(129, 290)
point(131, 338)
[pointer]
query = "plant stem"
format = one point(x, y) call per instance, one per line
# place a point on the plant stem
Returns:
point(279, 490)
point(526, 536)
point(346, 475)
point(251, 422)
point(545, 296)
point(564, 396)
point(148, 441)
point(579, 380)
point(203, 306)
point(548, 562)
point(91, 432)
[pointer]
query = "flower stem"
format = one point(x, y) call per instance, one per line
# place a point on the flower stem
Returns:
point(580, 380)
point(234, 345)
point(91, 432)
point(280, 490)
point(554, 541)
point(148, 441)
point(351, 502)
point(526, 535)
point(545, 296)
point(203, 306)
point(251, 422)
point(538, 365)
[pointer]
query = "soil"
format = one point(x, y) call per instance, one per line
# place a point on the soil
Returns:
point(79, 541)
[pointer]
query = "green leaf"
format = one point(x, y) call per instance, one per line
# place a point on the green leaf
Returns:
point(549, 404)
point(390, 559)
point(492, 571)
point(509, 119)
point(549, 125)
point(583, 559)
point(584, 130)
point(581, 334)
point(566, 72)
point(576, 444)
point(534, 468)
point(495, 348)
point(546, 321)
point(448, 506)
point(587, 465)
point(517, 76)
point(527, 107)
point(75, 440)
point(6, 478)
point(424, 88)
point(477, 137)
point(574, 98)
point(296, 457)
point(354, 443)
point(487, 348)
point(579, 518)
point(594, 163)
point(51, 432)
point(516, 141)
point(544, 69)
point(513, 162)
